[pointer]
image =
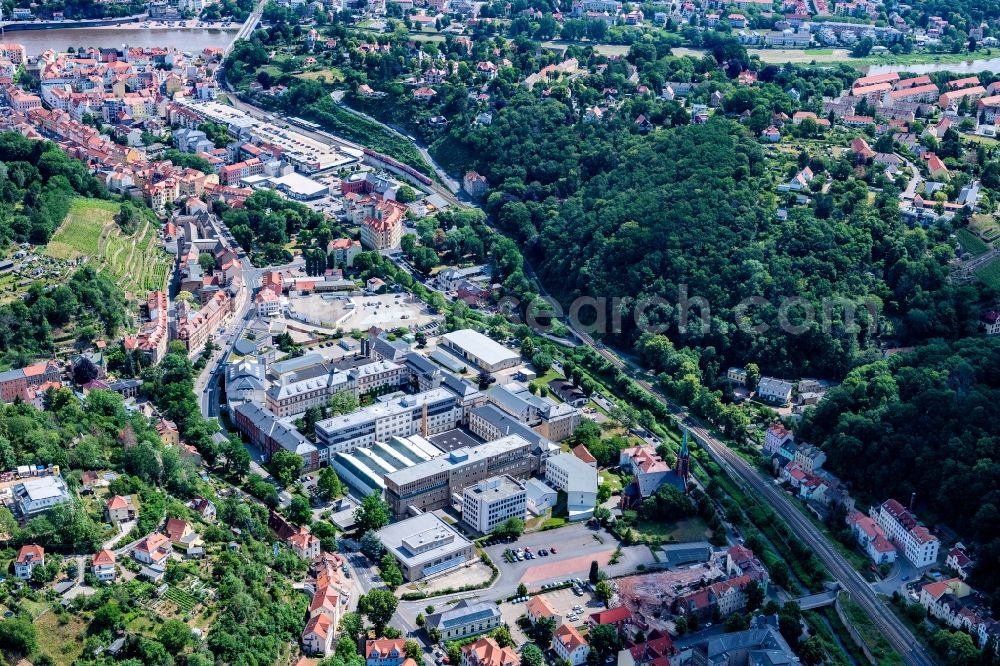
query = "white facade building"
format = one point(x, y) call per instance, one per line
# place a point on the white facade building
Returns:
point(34, 496)
point(579, 480)
point(915, 541)
point(491, 502)
point(478, 349)
point(424, 414)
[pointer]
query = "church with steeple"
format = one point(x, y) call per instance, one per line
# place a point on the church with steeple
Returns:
point(650, 472)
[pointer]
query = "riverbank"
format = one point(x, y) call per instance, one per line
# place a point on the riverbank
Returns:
point(122, 23)
point(130, 34)
point(192, 24)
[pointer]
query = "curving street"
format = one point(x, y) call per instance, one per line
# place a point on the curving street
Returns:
point(897, 633)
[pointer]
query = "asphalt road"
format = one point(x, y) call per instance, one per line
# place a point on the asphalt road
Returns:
point(895, 631)
point(898, 634)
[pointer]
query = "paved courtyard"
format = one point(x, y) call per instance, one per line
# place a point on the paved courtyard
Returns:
point(359, 312)
point(577, 547)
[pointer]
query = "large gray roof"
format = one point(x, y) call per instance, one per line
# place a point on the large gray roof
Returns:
point(456, 458)
point(463, 613)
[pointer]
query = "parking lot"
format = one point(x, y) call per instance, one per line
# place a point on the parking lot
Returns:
point(576, 547)
point(574, 608)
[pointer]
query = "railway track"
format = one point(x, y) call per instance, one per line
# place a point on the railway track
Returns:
point(897, 633)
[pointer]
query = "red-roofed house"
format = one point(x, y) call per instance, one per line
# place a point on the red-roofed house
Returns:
point(119, 509)
point(872, 538)
point(936, 167)
point(317, 637)
point(154, 549)
point(935, 597)
point(861, 149)
point(617, 617)
point(658, 650)
point(991, 322)
point(967, 82)
point(885, 77)
point(29, 557)
point(385, 652)
point(181, 533)
point(959, 561)
point(382, 226)
point(304, 544)
point(570, 645)
point(776, 437)
point(538, 607)
point(955, 96)
point(103, 565)
point(581, 452)
point(486, 652)
point(919, 546)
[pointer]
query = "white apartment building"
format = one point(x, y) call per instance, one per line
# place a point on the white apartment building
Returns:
point(915, 541)
point(424, 414)
point(570, 645)
point(491, 502)
point(579, 480)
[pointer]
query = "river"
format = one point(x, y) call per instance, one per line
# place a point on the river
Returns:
point(60, 39)
point(963, 67)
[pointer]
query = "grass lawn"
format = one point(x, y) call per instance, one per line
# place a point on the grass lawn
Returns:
point(984, 140)
point(990, 273)
point(681, 531)
point(34, 608)
point(972, 243)
point(81, 231)
point(332, 74)
point(553, 522)
point(985, 226)
point(137, 262)
point(613, 480)
point(549, 375)
point(60, 637)
point(877, 643)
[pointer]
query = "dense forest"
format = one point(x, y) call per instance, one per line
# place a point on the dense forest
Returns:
point(602, 209)
point(89, 299)
point(37, 183)
point(697, 219)
point(924, 423)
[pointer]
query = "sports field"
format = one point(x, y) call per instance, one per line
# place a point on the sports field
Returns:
point(137, 262)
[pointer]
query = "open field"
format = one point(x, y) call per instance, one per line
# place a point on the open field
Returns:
point(971, 243)
point(60, 637)
point(681, 531)
point(990, 273)
point(985, 226)
point(137, 263)
point(802, 56)
point(330, 75)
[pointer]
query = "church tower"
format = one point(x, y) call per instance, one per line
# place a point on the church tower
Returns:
point(684, 460)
